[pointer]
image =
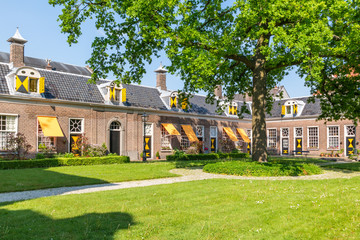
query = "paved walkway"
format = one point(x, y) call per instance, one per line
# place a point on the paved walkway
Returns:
point(187, 175)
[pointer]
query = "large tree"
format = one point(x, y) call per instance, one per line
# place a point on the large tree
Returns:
point(247, 46)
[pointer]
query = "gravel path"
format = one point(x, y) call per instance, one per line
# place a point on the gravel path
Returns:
point(187, 175)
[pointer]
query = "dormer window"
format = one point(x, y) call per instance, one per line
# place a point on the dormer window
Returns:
point(233, 109)
point(28, 80)
point(116, 93)
point(173, 100)
point(291, 108)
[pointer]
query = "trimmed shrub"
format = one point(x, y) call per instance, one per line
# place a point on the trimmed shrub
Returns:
point(207, 156)
point(54, 162)
point(262, 169)
point(186, 157)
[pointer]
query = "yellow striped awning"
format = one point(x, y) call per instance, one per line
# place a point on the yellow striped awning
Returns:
point(50, 126)
point(170, 129)
point(243, 135)
point(190, 133)
point(231, 134)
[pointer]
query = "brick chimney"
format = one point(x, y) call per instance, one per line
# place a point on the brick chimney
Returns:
point(17, 49)
point(218, 91)
point(161, 77)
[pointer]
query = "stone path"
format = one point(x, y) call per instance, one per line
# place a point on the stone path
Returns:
point(187, 175)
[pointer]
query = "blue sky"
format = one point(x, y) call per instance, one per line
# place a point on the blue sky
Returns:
point(37, 22)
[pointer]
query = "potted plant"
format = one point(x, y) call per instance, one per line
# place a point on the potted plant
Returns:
point(322, 154)
point(157, 155)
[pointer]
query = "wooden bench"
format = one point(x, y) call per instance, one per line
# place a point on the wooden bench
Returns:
point(305, 153)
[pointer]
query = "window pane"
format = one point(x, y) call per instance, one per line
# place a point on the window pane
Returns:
point(313, 137)
point(33, 85)
point(76, 126)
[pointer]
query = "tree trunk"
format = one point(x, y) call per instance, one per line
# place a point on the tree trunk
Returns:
point(258, 105)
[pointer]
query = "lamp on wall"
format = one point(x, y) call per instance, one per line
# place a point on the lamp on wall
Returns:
point(144, 118)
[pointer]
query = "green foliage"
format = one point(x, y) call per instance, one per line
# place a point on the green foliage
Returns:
point(17, 146)
point(39, 156)
point(53, 162)
point(242, 168)
point(157, 154)
point(245, 46)
point(180, 156)
point(64, 155)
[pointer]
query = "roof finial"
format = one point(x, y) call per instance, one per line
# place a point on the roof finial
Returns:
point(17, 38)
point(160, 69)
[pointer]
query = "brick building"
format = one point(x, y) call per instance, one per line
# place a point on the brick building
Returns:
point(53, 104)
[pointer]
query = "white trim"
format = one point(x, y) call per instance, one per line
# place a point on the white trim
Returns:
point(318, 136)
point(82, 128)
point(281, 143)
point(216, 138)
point(267, 137)
point(345, 135)
point(302, 137)
point(327, 137)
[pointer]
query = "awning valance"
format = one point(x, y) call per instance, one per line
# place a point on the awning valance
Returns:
point(190, 133)
point(50, 126)
point(231, 134)
point(170, 129)
point(243, 135)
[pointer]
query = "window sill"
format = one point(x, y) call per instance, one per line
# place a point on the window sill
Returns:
point(313, 149)
point(166, 150)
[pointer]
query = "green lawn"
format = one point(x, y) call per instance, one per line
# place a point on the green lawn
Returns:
point(210, 209)
point(345, 166)
point(37, 178)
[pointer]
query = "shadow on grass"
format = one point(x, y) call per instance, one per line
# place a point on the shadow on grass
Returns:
point(27, 224)
point(40, 178)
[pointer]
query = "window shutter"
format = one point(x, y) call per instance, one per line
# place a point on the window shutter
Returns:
point(22, 84)
point(123, 95)
point(282, 110)
point(295, 109)
point(184, 104)
point(112, 94)
point(41, 85)
point(173, 102)
point(235, 110)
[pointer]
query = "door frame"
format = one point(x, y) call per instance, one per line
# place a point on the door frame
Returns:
point(281, 142)
point(345, 136)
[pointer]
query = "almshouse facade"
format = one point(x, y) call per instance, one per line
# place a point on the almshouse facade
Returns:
point(53, 104)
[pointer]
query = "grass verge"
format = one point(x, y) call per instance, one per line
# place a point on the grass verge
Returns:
point(209, 209)
point(38, 178)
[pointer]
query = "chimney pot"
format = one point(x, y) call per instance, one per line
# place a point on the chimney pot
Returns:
point(218, 91)
point(161, 77)
point(17, 49)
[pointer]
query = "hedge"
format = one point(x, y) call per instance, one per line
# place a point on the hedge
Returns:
point(55, 162)
point(262, 169)
point(206, 156)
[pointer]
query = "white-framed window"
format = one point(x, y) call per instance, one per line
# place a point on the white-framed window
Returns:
point(333, 139)
point(350, 130)
point(200, 132)
point(48, 142)
point(313, 137)
point(271, 139)
point(285, 132)
point(165, 141)
point(184, 141)
point(298, 132)
point(76, 125)
point(8, 125)
point(213, 131)
point(249, 133)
